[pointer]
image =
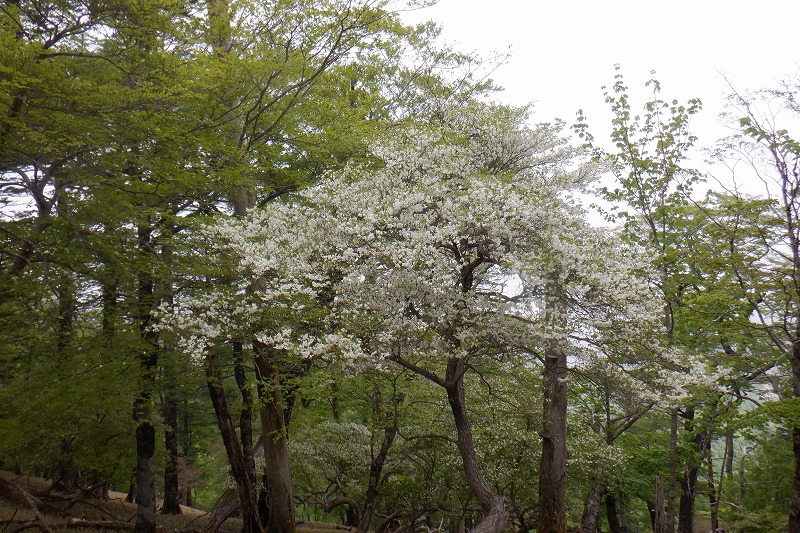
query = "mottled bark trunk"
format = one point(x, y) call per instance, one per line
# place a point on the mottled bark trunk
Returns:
point(246, 415)
point(233, 448)
point(659, 513)
point(67, 472)
point(552, 470)
point(142, 408)
point(276, 443)
point(590, 520)
point(145, 466)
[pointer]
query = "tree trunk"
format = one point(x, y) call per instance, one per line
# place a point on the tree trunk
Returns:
point(552, 470)
point(659, 514)
point(246, 491)
point(612, 514)
point(187, 448)
point(246, 416)
point(669, 508)
point(376, 468)
point(142, 406)
point(688, 482)
point(493, 505)
point(591, 508)
point(172, 494)
point(794, 506)
point(728, 463)
point(276, 443)
point(145, 465)
point(713, 497)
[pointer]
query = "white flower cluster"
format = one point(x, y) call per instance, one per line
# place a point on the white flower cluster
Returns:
point(450, 249)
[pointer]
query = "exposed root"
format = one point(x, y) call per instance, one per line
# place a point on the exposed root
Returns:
point(20, 496)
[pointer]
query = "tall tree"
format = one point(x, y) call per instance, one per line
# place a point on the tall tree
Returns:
point(763, 234)
point(426, 247)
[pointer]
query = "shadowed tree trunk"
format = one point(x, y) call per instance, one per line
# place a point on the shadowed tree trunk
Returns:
point(612, 514)
point(659, 514)
point(713, 499)
point(277, 473)
point(142, 407)
point(172, 494)
point(669, 510)
point(590, 520)
point(493, 504)
point(688, 480)
point(390, 420)
point(233, 448)
point(552, 469)
point(246, 416)
point(794, 507)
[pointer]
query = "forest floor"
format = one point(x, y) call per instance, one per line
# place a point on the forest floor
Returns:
point(25, 503)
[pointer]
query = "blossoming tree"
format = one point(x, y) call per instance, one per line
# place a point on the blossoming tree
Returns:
point(462, 245)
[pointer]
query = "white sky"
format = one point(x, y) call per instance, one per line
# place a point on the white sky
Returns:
point(564, 51)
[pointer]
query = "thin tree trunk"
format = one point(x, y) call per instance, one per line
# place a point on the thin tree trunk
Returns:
point(552, 470)
point(713, 498)
point(659, 514)
point(794, 506)
point(612, 514)
point(590, 520)
point(186, 446)
point(142, 407)
point(493, 504)
point(172, 500)
point(276, 443)
point(246, 416)
point(669, 510)
point(742, 481)
point(233, 448)
point(375, 470)
point(688, 481)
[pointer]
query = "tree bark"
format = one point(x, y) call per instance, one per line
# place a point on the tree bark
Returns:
point(142, 407)
point(376, 469)
point(233, 448)
point(172, 494)
point(246, 416)
point(688, 481)
point(659, 514)
point(713, 498)
point(612, 514)
point(276, 443)
point(552, 470)
point(669, 510)
point(186, 445)
point(493, 505)
point(794, 506)
point(590, 520)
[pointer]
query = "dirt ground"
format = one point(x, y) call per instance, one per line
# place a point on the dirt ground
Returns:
point(36, 509)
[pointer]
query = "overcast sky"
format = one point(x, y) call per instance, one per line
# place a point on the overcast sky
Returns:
point(563, 51)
